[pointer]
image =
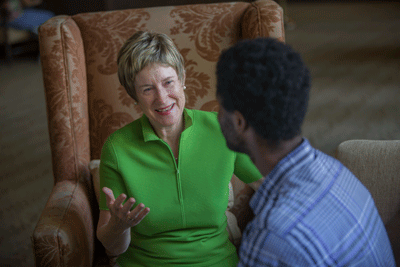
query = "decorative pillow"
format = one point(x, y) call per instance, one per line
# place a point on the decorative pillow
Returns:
point(232, 226)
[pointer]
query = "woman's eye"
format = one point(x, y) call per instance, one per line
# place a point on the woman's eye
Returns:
point(168, 82)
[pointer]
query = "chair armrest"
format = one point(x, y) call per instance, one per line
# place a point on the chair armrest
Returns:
point(65, 232)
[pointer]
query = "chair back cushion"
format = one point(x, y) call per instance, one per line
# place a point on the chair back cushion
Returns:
point(376, 165)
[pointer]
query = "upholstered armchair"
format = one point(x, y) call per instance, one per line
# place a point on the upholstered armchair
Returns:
point(86, 103)
point(376, 164)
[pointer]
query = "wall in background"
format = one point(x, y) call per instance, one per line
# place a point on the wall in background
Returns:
point(72, 7)
point(115, 4)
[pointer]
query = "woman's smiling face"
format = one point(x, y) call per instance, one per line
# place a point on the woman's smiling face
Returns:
point(160, 95)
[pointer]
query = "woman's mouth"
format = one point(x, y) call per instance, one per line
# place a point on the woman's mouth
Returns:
point(165, 111)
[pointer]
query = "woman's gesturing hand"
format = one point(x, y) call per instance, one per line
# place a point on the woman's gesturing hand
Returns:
point(122, 215)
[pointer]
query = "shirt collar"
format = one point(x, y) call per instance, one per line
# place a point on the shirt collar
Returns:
point(291, 162)
point(150, 135)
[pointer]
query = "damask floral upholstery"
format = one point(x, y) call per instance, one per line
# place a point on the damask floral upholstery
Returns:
point(86, 103)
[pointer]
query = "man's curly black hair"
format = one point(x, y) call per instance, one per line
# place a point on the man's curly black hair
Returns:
point(268, 82)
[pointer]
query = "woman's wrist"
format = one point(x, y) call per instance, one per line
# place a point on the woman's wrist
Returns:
point(114, 238)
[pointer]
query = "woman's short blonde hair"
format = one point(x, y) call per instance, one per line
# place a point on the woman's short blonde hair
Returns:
point(142, 49)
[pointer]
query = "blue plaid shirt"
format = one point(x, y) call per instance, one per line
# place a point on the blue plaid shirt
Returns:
point(312, 211)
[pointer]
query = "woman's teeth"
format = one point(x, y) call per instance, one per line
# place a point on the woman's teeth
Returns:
point(165, 109)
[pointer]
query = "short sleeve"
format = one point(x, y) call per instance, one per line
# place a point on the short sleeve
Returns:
point(245, 169)
point(109, 175)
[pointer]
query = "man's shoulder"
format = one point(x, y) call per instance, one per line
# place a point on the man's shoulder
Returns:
point(299, 191)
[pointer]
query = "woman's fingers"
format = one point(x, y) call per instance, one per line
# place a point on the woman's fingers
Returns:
point(109, 196)
point(141, 215)
point(128, 205)
point(123, 211)
point(114, 204)
point(134, 213)
point(118, 202)
point(137, 214)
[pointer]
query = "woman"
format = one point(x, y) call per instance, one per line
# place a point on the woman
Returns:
point(173, 160)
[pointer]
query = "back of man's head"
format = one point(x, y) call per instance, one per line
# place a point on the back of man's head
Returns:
point(268, 83)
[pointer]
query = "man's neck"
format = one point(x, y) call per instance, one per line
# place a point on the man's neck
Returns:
point(266, 157)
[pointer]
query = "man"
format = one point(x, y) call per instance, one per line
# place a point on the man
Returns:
point(310, 210)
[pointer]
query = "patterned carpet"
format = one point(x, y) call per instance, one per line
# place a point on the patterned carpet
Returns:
point(352, 49)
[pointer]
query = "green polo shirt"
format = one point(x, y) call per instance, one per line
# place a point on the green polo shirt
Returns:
point(186, 225)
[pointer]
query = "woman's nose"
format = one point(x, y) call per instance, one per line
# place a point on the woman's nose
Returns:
point(162, 94)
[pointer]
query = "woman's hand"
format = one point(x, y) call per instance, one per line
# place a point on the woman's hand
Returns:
point(121, 215)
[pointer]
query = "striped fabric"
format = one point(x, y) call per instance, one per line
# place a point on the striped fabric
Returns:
point(312, 211)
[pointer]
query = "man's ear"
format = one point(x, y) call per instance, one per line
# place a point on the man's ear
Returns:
point(239, 122)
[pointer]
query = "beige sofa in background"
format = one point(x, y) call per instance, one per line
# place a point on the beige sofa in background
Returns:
point(377, 164)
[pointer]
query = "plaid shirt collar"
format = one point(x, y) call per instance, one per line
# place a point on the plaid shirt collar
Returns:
point(293, 161)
